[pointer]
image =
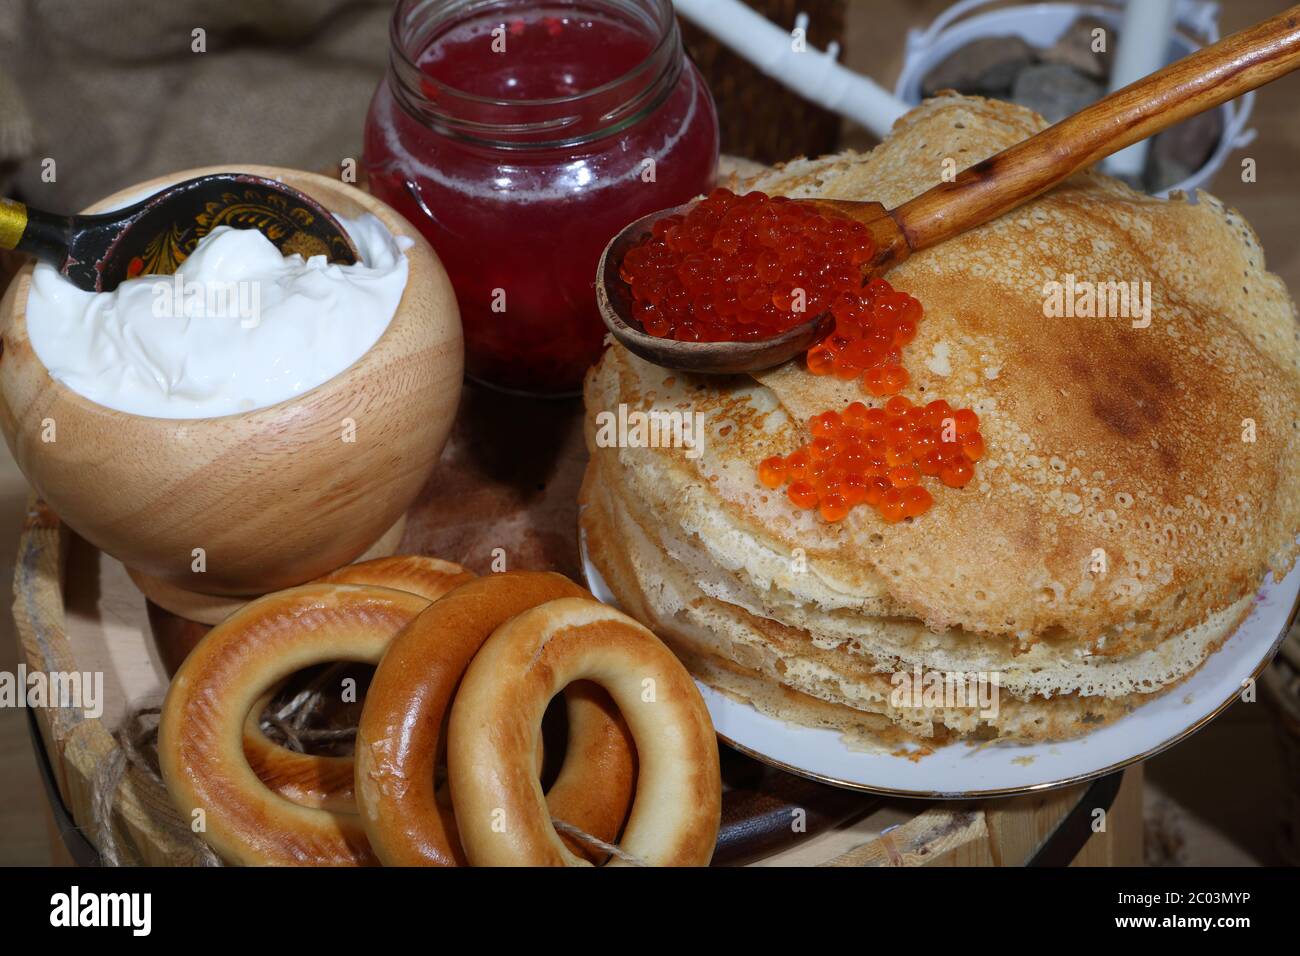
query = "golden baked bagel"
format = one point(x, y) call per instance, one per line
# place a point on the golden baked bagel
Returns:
point(594, 788)
point(325, 781)
point(399, 739)
point(501, 813)
point(201, 731)
point(1141, 474)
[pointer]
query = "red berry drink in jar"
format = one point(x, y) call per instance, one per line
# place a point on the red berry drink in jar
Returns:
point(521, 136)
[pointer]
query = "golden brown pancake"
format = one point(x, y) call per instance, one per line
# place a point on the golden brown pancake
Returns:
point(1139, 481)
point(789, 642)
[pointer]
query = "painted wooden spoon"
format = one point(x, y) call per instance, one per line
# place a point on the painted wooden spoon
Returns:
point(1198, 82)
point(154, 236)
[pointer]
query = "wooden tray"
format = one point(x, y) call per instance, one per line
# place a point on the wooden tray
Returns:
point(76, 609)
point(494, 501)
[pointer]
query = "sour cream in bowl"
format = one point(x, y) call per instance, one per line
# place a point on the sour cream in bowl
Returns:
point(238, 327)
point(250, 424)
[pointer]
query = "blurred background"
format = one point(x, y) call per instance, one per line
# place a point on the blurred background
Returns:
point(114, 92)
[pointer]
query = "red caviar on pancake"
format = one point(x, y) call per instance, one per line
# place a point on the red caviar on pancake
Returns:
point(877, 457)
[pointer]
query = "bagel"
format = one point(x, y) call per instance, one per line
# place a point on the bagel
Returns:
point(500, 812)
point(325, 782)
point(201, 731)
point(594, 788)
point(309, 780)
point(430, 578)
point(401, 730)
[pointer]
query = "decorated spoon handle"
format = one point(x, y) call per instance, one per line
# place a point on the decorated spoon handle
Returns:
point(1205, 79)
point(40, 234)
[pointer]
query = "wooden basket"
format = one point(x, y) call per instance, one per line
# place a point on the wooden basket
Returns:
point(76, 609)
point(101, 629)
point(759, 117)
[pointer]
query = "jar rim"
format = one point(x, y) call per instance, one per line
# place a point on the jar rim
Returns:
point(406, 12)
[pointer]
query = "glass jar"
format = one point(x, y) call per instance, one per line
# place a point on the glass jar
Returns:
point(520, 137)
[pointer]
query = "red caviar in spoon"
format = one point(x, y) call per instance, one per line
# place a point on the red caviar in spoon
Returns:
point(743, 268)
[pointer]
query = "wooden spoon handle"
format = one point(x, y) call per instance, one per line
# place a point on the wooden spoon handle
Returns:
point(1205, 79)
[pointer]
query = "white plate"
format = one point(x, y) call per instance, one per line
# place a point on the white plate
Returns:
point(963, 770)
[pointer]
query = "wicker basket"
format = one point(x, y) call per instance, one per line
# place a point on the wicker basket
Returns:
point(760, 118)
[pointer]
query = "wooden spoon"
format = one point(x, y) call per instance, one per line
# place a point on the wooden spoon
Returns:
point(1198, 82)
point(154, 237)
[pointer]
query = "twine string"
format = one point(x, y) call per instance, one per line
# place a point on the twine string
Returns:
point(597, 843)
point(136, 738)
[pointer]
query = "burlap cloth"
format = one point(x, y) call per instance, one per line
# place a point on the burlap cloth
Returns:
point(112, 91)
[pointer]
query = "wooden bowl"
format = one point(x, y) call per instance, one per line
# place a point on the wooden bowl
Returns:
point(275, 496)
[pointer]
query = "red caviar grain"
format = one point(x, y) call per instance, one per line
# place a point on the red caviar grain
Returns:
point(874, 381)
point(833, 507)
point(857, 415)
point(897, 454)
point(821, 361)
point(932, 464)
point(772, 471)
point(972, 446)
point(825, 425)
point(876, 488)
point(897, 406)
point(967, 421)
point(957, 474)
point(885, 379)
point(891, 506)
point(936, 412)
point(916, 502)
point(802, 495)
point(904, 477)
point(797, 465)
point(855, 488)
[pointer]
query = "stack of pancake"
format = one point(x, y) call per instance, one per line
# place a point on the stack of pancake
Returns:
point(1139, 482)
